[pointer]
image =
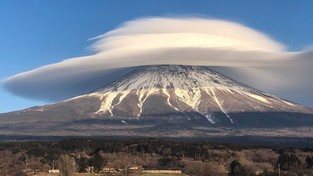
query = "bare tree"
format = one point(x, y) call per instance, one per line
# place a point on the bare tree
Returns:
point(66, 165)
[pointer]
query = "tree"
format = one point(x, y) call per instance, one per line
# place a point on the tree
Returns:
point(82, 164)
point(170, 162)
point(97, 162)
point(309, 162)
point(288, 161)
point(66, 165)
point(236, 169)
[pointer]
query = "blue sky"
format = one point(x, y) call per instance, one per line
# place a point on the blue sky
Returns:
point(34, 33)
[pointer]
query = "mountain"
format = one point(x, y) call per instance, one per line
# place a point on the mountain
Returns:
point(162, 100)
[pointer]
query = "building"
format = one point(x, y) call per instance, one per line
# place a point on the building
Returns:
point(109, 169)
point(162, 170)
point(54, 171)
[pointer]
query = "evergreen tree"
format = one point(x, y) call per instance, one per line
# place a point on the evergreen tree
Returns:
point(236, 169)
point(82, 164)
point(288, 161)
point(309, 162)
point(97, 162)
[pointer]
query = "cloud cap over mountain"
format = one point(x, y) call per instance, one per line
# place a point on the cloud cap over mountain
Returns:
point(233, 49)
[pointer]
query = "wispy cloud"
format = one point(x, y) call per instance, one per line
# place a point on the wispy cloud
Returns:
point(233, 49)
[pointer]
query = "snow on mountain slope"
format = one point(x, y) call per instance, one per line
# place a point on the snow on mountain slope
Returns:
point(167, 89)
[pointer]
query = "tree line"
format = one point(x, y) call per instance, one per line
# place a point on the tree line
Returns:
point(170, 153)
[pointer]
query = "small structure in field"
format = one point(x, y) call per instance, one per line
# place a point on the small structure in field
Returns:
point(162, 170)
point(54, 171)
point(133, 168)
point(109, 169)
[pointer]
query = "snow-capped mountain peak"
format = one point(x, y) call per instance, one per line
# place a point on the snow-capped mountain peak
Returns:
point(166, 100)
point(184, 89)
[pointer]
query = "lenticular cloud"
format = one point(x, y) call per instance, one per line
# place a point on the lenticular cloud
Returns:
point(153, 33)
point(233, 49)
